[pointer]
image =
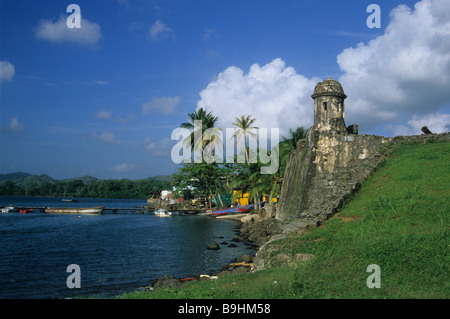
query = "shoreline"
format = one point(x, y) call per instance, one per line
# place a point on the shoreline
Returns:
point(241, 264)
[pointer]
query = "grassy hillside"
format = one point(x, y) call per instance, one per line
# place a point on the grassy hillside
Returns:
point(399, 220)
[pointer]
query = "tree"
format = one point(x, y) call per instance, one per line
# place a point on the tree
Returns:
point(208, 122)
point(204, 178)
point(9, 188)
point(297, 135)
point(245, 128)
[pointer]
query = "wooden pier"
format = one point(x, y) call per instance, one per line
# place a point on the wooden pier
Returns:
point(143, 210)
point(137, 210)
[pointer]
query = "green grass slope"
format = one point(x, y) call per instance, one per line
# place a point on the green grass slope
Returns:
point(399, 220)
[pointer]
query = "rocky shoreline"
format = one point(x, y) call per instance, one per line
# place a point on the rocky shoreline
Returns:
point(255, 230)
point(259, 229)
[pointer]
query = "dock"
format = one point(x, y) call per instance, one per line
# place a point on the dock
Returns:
point(136, 210)
point(148, 210)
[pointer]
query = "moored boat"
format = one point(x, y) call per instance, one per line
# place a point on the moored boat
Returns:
point(246, 209)
point(233, 210)
point(162, 213)
point(25, 210)
point(9, 209)
point(74, 210)
point(225, 211)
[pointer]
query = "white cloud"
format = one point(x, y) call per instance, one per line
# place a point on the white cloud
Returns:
point(106, 137)
point(13, 127)
point(405, 71)
point(104, 114)
point(58, 32)
point(124, 168)
point(274, 94)
point(101, 82)
point(436, 123)
point(208, 34)
point(108, 115)
point(166, 105)
point(159, 31)
point(7, 71)
point(158, 149)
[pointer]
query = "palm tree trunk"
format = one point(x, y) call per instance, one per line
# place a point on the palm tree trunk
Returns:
point(271, 192)
point(212, 197)
point(220, 200)
point(246, 153)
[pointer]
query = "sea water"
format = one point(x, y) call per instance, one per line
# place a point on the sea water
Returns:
point(115, 253)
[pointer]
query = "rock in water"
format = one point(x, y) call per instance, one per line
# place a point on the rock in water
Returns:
point(213, 246)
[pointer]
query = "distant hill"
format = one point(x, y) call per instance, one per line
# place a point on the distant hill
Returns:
point(25, 179)
point(13, 176)
point(84, 179)
point(162, 178)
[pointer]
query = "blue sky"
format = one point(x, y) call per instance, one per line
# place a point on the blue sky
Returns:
point(104, 101)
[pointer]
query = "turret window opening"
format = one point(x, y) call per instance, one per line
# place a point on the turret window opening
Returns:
point(325, 106)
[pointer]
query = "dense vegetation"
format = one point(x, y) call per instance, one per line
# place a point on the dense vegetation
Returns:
point(218, 180)
point(398, 220)
point(43, 185)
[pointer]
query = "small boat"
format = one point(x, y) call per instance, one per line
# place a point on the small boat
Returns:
point(225, 211)
point(74, 210)
point(25, 210)
point(246, 209)
point(162, 213)
point(69, 200)
point(9, 209)
point(233, 210)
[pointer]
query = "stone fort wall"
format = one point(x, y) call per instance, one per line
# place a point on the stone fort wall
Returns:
point(332, 162)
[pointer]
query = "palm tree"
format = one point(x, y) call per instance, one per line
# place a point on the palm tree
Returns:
point(297, 135)
point(197, 142)
point(245, 128)
point(208, 121)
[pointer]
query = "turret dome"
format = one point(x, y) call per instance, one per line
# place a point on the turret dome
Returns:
point(329, 87)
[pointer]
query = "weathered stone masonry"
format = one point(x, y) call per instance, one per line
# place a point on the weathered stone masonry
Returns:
point(330, 164)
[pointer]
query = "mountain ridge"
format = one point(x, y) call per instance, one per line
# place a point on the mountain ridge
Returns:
point(24, 178)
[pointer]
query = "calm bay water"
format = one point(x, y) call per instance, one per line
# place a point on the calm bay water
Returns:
point(116, 252)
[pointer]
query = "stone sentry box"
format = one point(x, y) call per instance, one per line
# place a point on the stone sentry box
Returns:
point(329, 106)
